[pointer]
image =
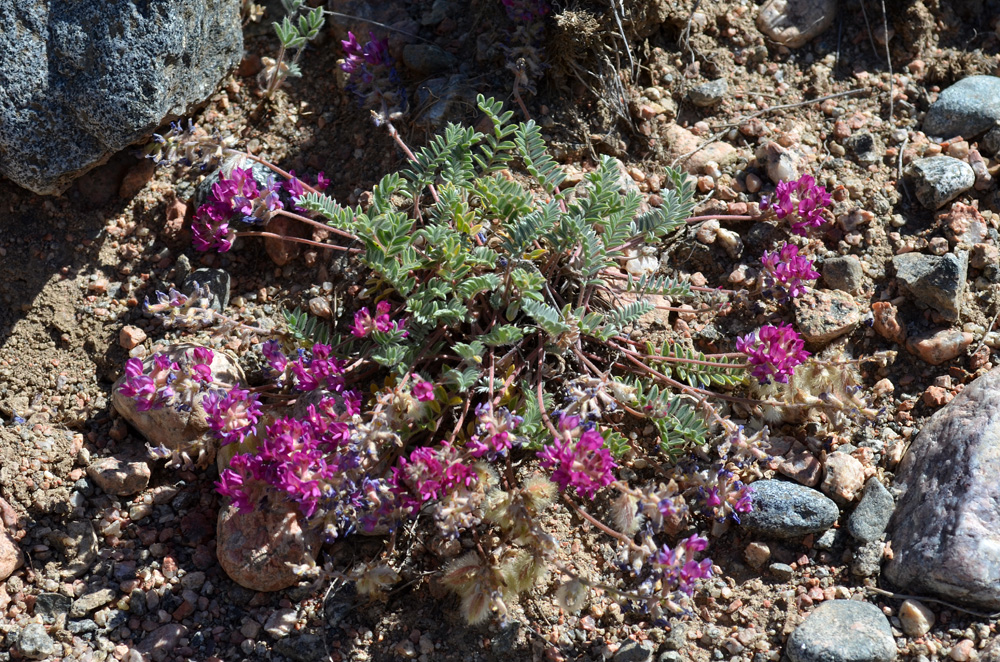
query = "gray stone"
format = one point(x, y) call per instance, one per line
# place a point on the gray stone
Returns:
point(83, 626)
point(788, 510)
point(829, 539)
point(792, 23)
point(843, 273)
point(50, 606)
point(967, 108)
point(162, 642)
point(868, 521)
point(635, 651)
point(82, 80)
point(781, 571)
point(89, 602)
point(867, 561)
point(940, 179)
point(843, 631)
point(35, 642)
point(866, 147)
point(218, 283)
point(428, 59)
point(302, 647)
point(710, 93)
point(80, 546)
point(945, 532)
point(989, 144)
point(937, 281)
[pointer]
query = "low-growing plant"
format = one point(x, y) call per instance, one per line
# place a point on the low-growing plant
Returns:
point(299, 26)
point(490, 370)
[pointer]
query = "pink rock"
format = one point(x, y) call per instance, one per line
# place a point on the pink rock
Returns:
point(10, 556)
point(888, 323)
point(179, 431)
point(119, 477)
point(282, 251)
point(935, 396)
point(801, 466)
point(964, 225)
point(936, 348)
point(162, 642)
point(823, 315)
point(719, 152)
point(256, 548)
point(792, 23)
point(845, 476)
point(131, 337)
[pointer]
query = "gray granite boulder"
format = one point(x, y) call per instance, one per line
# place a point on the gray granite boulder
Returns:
point(82, 80)
point(945, 532)
point(940, 179)
point(843, 631)
point(788, 510)
point(967, 108)
point(937, 281)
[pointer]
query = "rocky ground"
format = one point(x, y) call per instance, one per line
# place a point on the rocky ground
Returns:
point(104, 553)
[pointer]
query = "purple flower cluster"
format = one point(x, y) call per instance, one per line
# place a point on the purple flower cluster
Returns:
point(153, 390)
point(804, 197)
point(526, 11)
point(232, 415)
point(236, 197)
point(677, 566)
point(787, 269)
point(309, 371)
point(372, 74)
point(364, 323)
point(728, 497)
point(583, 463)
point(423, 391)
point(429, 474)
point(493, 432)
point(314, 462)
point(168, 383)
point(774, 351)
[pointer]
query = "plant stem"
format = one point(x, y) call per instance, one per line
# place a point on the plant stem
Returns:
point(299, 240)
point(316, 224)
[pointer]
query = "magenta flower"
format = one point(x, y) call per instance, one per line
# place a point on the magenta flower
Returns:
point(232, 482)
point(423, 391)
point(493, 432)
point(787, 269)
point(774, 351)
point(152, 391)
point(210, 229)
point(233, 415)
point(583, 463)
point(318, 370)
point(271, 350)
point(201, 368)
point(364, 323)
point(322, 182)
point(677, 566)
point(429, 474)
point(804, 197)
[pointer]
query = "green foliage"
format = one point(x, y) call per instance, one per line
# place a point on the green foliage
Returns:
point(305, 330)
point(699, 376)
point(506, 269)
point(678, 423)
